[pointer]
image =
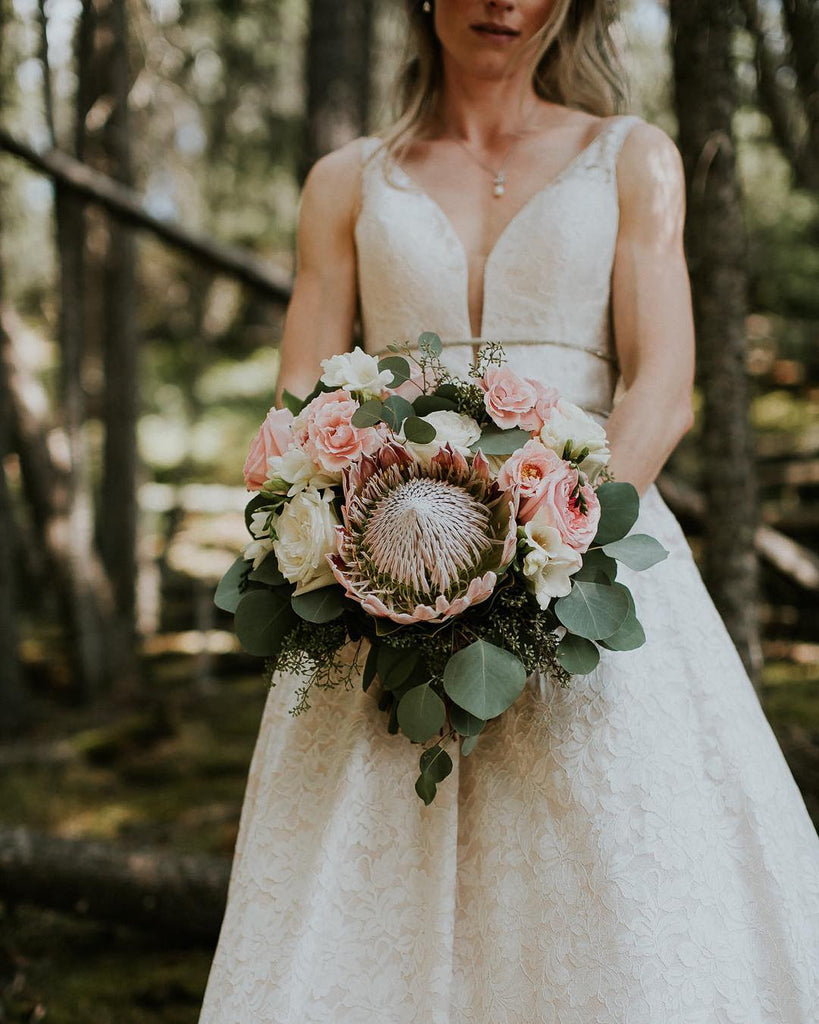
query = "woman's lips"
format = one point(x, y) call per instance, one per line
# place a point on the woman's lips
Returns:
point(501, 35)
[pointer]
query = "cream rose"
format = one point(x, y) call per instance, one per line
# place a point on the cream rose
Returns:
point(305, 535)
point(568, 422)
point(355, 371)
point(455, 428)
point(261, 547)
point(298, 469)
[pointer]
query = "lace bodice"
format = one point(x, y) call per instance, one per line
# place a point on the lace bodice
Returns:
point(547, 280)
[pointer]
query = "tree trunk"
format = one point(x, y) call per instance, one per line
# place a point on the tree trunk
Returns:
point(118, 505)
point(171, 894)
point(705, 101)
point(338, 76)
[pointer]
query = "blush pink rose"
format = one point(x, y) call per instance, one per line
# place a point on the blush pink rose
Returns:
point(547, 399)
point(509, 399)
point(547, 486)
point(327, 432)
point(274, 438)
point(527, 473)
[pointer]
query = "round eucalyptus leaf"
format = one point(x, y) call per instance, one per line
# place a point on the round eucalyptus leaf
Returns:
point(468, 745)
point(268, 572)
point(436, 763)
point(593, 610)
point(630, 635)
point(463, 722)
point(619, 508)
point(400, 369)
point(322, 605)
point(639, 551)
point(596, 562)
point(228, 595)
point(396, 665)
point(421, 713)
point(395, 411)
point(430, 342)
point(263, 620)
point(494, 441)
point(368, 413)
point(577, 654)
point(419, 430)
point(425, 404)
point(447, 391)
point(484, 679)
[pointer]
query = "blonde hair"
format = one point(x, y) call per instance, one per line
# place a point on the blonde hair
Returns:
point(574, 63)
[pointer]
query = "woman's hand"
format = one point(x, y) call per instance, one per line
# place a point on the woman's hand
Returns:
point(322, 309)
point(651, 306)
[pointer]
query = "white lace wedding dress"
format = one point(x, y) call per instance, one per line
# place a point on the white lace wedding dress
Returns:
point(633, 850)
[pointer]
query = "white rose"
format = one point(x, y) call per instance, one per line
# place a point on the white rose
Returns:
point(355, 371)
point(260, 548)
point(568, 422)
point(456, 428)
point(549, 562)
point(298, 469)
point(304, 536)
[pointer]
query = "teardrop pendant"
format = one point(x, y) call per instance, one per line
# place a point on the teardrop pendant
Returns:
point(499, 184)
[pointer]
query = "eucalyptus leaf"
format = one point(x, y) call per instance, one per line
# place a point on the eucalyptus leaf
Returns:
point(436, 763)
point(396, 665)
point(484, 679)
point(463, 722)
point(639, 551)
point(425, 404)
point(392, 721)
point(430, 342)
point(369, 668)
point(630, 635)
point(425, 788)
point(597, 559)
point(468, 745)
point(228, 591)
point(368, 413)
point(577, 654)
point(419, 430)
point(400, 369)
point(292, 402)
point(263, 619)
point(421, 713)
point(619, 508)
point(322, 605)
point(268, 572)
point(593, 610)
point(396, 410)
point(447, 391)
point(494, 441)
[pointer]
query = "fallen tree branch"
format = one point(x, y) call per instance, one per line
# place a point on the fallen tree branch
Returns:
point(122, 203)
point(175, 895)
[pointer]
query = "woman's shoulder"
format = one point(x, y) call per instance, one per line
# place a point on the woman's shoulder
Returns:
point(649, 167)
point(333, 182)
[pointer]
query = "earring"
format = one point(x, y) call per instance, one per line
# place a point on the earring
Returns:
point(426, 6)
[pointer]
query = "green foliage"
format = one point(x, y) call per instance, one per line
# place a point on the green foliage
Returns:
point(593, 610)
point(619, 507)
point(484, 679)
point(322, 605)
point(638, 551)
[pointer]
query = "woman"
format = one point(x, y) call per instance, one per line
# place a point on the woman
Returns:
point(633, 848)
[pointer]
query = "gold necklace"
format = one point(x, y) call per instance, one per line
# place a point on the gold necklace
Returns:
point(498, 177)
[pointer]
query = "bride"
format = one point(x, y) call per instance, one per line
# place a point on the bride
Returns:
point(633, 848)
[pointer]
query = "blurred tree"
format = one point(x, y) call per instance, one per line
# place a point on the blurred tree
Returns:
point(705, 100)
point(337, 76)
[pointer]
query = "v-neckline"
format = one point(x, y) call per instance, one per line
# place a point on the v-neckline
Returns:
point(450, 228)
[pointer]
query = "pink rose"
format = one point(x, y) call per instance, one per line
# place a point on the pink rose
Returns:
point(328, 434)
point(547, 485)
point(527, 473)
point(509, 399)
point(547, 399)
point(274, 438)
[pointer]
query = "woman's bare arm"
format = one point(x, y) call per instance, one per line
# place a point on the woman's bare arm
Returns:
point(321, 312)
point(651, 307)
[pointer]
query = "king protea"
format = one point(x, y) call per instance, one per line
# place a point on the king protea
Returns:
point(422, 543)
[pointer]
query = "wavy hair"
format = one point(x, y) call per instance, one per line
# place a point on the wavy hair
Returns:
point(574, 62)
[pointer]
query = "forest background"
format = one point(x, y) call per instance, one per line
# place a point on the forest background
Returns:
point(151, 159)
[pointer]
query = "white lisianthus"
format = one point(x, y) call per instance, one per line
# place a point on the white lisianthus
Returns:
point(456, 428)
point(305, 534)
point(568, 422)
point(549, 562)
point(298, 469)
point(260, 548)
point(355, 371)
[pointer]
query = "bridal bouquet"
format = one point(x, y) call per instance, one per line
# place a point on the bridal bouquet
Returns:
point(468, 530)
